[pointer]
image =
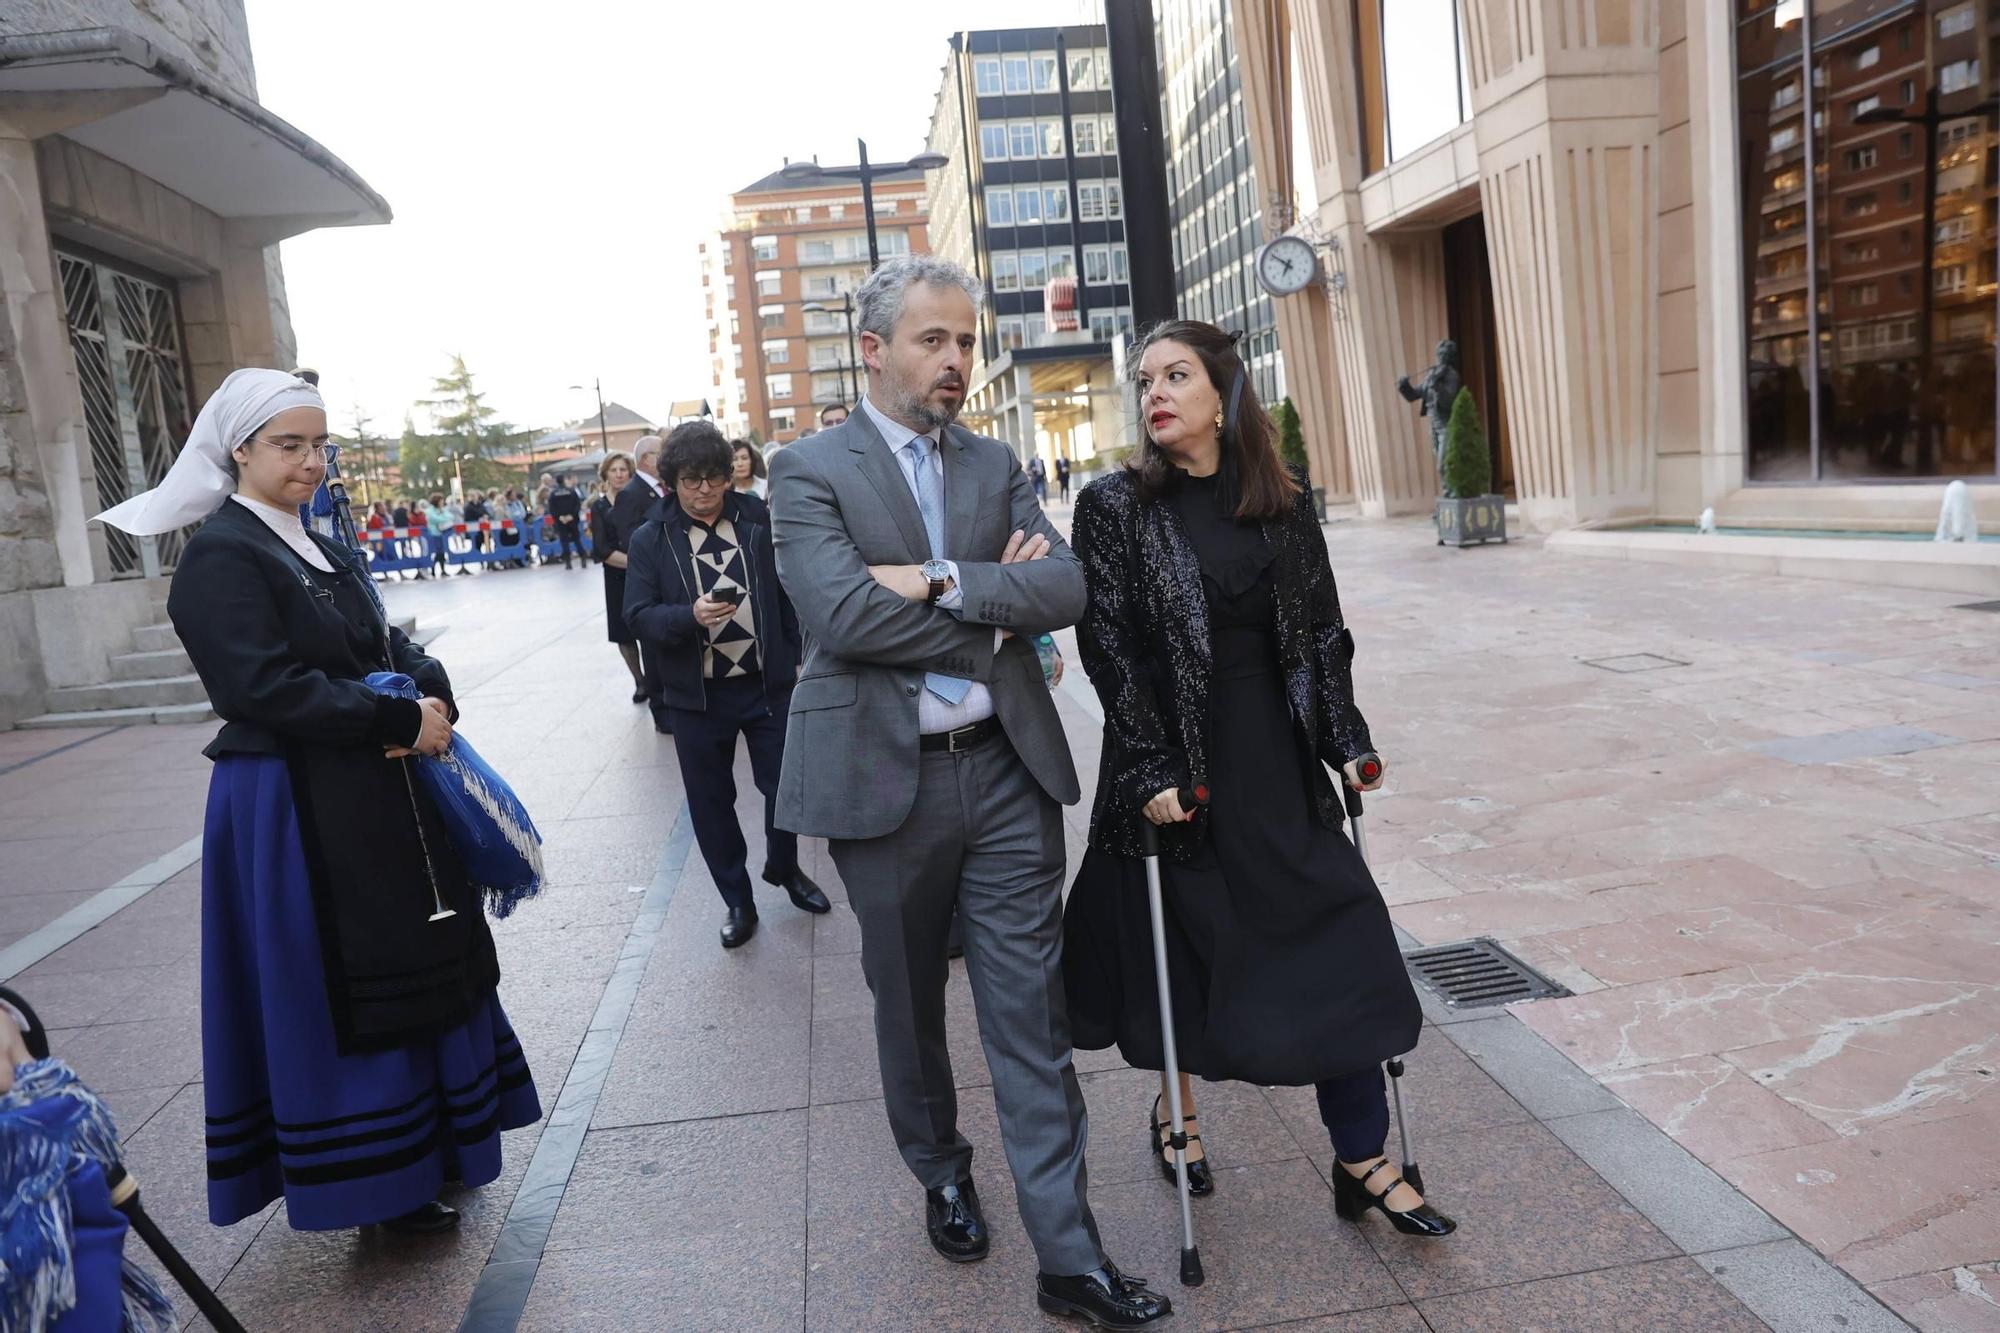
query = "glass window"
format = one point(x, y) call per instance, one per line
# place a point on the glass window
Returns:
point(1399, 49)
point(1096, 265)
point(993, 143)
point(1121, 265)
point(1052, 137)
point(1015, 70)
point(770, 317)
point(1043, 64)
point(783, 421)
point(1036, 330)
point(778, 386)
point(999, 207)
point(1021, 138)
point(1034, 270)
point(1113, 207)
point(1090, 201)
point(1055, 203)
point(1062, 262)
point(1107, 134)
point(777, 351)
point(1954, 21)
point(986, 76)
point(768, 283)
point(1103, 324)
point(1006, 273)
point(1082, 70)
point(1958, 76)
point(764, 247)
point(1028, 205)
point(1083, 136)
point(1009, 328)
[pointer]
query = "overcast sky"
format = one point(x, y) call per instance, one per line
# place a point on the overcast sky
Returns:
point(553, 167)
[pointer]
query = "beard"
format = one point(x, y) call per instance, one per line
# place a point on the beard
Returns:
point(907, 403)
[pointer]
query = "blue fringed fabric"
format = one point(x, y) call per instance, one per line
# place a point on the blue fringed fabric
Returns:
point(496, 840)
point(62, 1264)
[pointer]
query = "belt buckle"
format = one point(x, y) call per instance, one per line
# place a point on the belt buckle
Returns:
point(952, 738)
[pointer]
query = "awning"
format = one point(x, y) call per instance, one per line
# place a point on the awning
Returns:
point(118, 95)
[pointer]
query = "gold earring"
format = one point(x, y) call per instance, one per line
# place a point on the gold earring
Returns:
point(1218, 418)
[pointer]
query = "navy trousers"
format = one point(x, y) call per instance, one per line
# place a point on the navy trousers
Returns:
point(1355, 1110)
point(706, 745)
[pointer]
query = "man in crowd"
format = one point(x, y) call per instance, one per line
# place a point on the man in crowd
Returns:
point(565, 506)
point(701, 588)
point(832, 415)
point(925, 746)
point(643, 499)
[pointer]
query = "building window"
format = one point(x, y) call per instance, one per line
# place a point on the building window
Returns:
point(1952, 230)
point(885, 208)
point(1051, 137)
point(770, 318)
point(1949, 280)
point(776, 351)
point(1121, 265)
point(993, 143)
point(1021, 139)
point(1113, 206)
point(1107, 133)
point(768, 283)
point(1096, 265)
point(1958, 76)
point(778, 386)
point(999, 207)
point(1090, 201)
point(1062, 262)
point(1036, 330)
point(1784, 137)
point(986, 76)
point(1015, 70)
point(1861, 106)
point(1006, 273)
point(1055, 203)
point(1400, 53)
point(1034, 270)
point(1868, 57)
point(1864, 293)
point(1083, 137)
point(1859, 205)
point(1009, 328)
point(1082, 70)
point(1028, 205)
point(1954, 21)
point(764, 248)
point(1043, 66)
point(1103, 324)
point(1860, 159)
point(782, 422)
point(829, 388)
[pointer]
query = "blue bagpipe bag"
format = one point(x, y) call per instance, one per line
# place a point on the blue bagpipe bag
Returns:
point(496, 840)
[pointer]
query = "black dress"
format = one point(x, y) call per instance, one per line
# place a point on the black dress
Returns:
point(1284, 967)
point(603, 541)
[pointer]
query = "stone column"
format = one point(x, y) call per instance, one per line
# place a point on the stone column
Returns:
point(1024, 408)
point(1566, 102)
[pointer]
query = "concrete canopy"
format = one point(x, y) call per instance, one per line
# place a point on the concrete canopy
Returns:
point(120, 96)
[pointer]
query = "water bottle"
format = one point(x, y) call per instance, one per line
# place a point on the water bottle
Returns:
point(1045, 650)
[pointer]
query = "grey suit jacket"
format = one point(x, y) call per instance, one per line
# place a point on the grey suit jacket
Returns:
point(840, 503)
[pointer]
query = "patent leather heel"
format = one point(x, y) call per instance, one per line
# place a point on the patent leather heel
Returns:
point(1352, 1198)
point(1200, 1181)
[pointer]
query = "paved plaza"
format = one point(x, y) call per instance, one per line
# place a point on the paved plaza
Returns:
point(1753, 824)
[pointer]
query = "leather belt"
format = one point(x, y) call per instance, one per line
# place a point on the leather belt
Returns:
point(962, 739)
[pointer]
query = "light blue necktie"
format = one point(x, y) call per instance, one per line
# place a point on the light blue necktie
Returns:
point(930, 501)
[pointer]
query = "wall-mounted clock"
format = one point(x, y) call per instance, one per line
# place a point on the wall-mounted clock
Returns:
point(1287, 265)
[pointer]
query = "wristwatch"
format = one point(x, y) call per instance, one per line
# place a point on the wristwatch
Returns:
point(938, 573)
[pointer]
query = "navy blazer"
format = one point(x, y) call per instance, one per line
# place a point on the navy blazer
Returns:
point(660, 596)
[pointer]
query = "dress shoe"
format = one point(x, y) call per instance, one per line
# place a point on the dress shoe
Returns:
point(957, 1227)
point(805, 895)
point(639, 696)
point(1200, 1182)
point(1353, 1196)
point(1104, 1296)
point(431, 1219)
point(737, 929)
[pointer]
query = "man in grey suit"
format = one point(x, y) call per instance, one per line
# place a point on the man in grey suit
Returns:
point(924, 745)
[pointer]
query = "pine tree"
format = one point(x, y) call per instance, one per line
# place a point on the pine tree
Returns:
point(1291, 439)
point(1468, 471)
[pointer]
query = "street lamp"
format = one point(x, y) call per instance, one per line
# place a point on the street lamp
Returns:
point(603, 432)
point(1930, 118)
point(853, 363)
point(866, 173)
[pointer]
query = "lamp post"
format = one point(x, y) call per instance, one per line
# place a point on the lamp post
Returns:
point(865, 172)
point(603, 432)
point(1930, 118)
point(853, 361)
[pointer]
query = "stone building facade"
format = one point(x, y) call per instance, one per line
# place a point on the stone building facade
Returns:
point(143, 193)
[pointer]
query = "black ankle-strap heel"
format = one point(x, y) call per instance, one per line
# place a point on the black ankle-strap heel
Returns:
point(1201, 1181)
point(1352, 1198)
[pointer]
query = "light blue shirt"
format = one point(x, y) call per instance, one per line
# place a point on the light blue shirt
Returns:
point(933, 713)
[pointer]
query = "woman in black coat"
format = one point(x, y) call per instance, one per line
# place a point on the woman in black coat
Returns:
point(1214, 638)
point(355, 1056)
point(615, 471)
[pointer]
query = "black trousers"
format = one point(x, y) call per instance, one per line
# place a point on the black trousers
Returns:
point(1355, 1110)
point(649, 670)
point(567, 534)
point(706, 745)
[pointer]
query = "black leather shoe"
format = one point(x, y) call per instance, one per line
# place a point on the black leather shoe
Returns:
point(1352, 1197)
point(432, 1219)
point(957, 1227)
point(638, 696)
point(1200, 1182)
point(1104, 1296)
point(738, 928)
point(805, 895)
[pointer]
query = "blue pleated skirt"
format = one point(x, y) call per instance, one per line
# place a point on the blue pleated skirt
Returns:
point(346, 1140)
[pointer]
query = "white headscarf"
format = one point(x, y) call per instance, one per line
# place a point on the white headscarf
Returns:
point(201, 478)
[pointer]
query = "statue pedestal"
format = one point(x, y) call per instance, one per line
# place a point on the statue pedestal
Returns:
point(1472, 520)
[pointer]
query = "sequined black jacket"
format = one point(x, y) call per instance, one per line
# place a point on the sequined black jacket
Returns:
point(1144, 640)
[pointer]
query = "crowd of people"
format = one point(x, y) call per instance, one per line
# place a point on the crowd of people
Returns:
point(869, 608)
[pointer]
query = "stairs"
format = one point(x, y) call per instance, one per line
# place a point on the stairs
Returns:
point(155, 683)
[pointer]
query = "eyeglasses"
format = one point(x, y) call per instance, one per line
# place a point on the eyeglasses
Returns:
point(701, 483)
point(299, 453)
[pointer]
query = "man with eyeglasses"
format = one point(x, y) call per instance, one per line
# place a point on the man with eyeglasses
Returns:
point(702, 591)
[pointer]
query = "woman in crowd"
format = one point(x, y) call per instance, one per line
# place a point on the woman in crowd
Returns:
point(355, 1056)
point(1214, 638)
point(515, 511)
point(378, 516)
point(440, 520)
point(747, 470)
point(612, 474)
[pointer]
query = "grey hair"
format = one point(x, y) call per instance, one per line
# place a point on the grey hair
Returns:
point(878, 306)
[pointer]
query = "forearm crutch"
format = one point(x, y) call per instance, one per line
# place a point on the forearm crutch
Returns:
point(1191, 799)
point(1369, 767)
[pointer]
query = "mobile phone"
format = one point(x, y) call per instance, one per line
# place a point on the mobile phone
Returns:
point(725, 591)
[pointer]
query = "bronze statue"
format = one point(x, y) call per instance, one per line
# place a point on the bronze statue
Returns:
point(1437, 392)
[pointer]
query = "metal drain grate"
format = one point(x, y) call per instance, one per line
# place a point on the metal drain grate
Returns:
point(1472, 974)
point(1630, 662)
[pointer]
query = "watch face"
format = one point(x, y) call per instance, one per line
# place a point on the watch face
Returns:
point(1287, 265)
point(936, 570)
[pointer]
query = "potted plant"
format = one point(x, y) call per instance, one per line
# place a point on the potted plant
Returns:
point(1468, 512)
point(1292, 448)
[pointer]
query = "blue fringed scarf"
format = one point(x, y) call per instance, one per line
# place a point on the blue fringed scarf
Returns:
point(57, 1225)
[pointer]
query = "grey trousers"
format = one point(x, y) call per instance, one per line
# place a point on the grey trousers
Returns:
point(984, 837)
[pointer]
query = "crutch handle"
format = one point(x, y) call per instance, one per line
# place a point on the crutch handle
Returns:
point(1367, 767)
point(1193, 797)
